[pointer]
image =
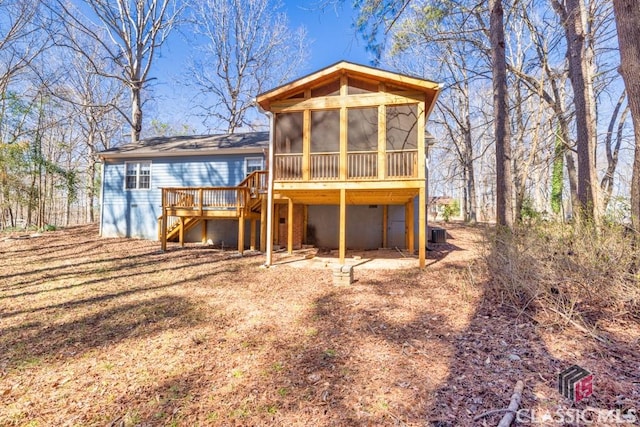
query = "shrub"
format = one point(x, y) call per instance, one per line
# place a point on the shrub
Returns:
point(451, 209)
point(577, 275)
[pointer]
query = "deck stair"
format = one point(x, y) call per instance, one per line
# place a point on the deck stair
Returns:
point(189, 206)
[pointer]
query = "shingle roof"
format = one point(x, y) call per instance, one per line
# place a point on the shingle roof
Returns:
point(250, 142)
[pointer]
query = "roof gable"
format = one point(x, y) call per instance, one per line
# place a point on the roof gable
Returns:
point(327, 75)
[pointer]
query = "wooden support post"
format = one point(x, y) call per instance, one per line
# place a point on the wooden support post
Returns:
point(290, 227)
point(343, 225)
point(253, 234)
point(410, 228)
point(164, 228)
point(263, 225)
point(204, 231)
point(382, 142)
point(422, 227)
point(305, 223)
point(385, 226)
point(182, 231)
point(306, 145)
point(241, 232)
point(276, 225)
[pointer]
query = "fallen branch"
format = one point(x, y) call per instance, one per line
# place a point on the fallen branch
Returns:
point(510, 411)
point(516, 398)
point(578, 326)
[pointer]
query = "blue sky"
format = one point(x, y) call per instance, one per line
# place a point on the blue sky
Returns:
point(330, 32)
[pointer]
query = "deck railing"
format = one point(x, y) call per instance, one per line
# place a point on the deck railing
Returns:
point(205, 198)
point(325, 166)
point(360, 165)
point(402, 163)
point(288, 167)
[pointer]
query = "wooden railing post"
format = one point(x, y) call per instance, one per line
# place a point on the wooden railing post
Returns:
point(200, 193)
point(164, 220)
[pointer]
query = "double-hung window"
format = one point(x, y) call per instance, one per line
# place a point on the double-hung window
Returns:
point(138, 175)
point(253, 164)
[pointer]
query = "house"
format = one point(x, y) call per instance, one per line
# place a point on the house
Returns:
point(133, 175)
point(345, 168)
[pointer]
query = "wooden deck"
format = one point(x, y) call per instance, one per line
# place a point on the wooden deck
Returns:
point(183, 208)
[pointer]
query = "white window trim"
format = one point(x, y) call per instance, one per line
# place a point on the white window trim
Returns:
point(137, 187)
point(246, 163)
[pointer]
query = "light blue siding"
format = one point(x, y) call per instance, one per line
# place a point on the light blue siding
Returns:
point(134, 213)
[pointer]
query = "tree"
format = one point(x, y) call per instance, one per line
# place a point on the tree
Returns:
point(580, 59)
point(504, 210)
point(248, 47)
point(129, 33)
point(627, 14)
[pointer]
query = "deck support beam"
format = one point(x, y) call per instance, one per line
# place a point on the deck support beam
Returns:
point(385, 226)
point(410, 227)
point(290, 227)
point(163, 236)
point(241, 232)
point(253, 234)
point(204, 231)
point(343, 225)
point(182, 231)
point(263, 225)
point(422, 233)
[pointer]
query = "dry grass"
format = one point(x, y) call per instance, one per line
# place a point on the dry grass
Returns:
point(576, 275)
point(99, 332)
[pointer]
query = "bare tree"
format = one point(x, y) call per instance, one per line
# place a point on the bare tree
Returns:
point(627, 13)
point(129, 34)
point(504, 210)
point(248, 48)
point(579, 54)
point(21, 43)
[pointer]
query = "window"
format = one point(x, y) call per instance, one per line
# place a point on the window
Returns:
point(362, 129)
point(252, 164)
point(402, 127)
point(325, 131)
point(138, 176)
point(288, 133)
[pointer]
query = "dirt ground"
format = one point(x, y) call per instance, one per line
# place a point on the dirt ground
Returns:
point(113, 332)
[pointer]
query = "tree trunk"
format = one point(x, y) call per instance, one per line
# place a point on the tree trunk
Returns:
point(504, 210)
point(580, 75)
point(468, 150)
point(136, 112)
point(471, 190)
point(627, 13)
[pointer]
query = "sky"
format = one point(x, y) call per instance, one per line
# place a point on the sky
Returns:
point(330, 32)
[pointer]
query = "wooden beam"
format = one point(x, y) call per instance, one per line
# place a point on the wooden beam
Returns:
point(290, 227)
point(385, 225)
point(422, 232)
point(421, 142)
point(410, 228)
point(263, 225)
point(305, 222)
point(335, 102)
point(182, 231)
point(343, 226)
point(382, 142)
point(253, 234)
point(204, 231)
point(306, 145)
point(343, 130)
point(164, 228)
point(241, 232)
